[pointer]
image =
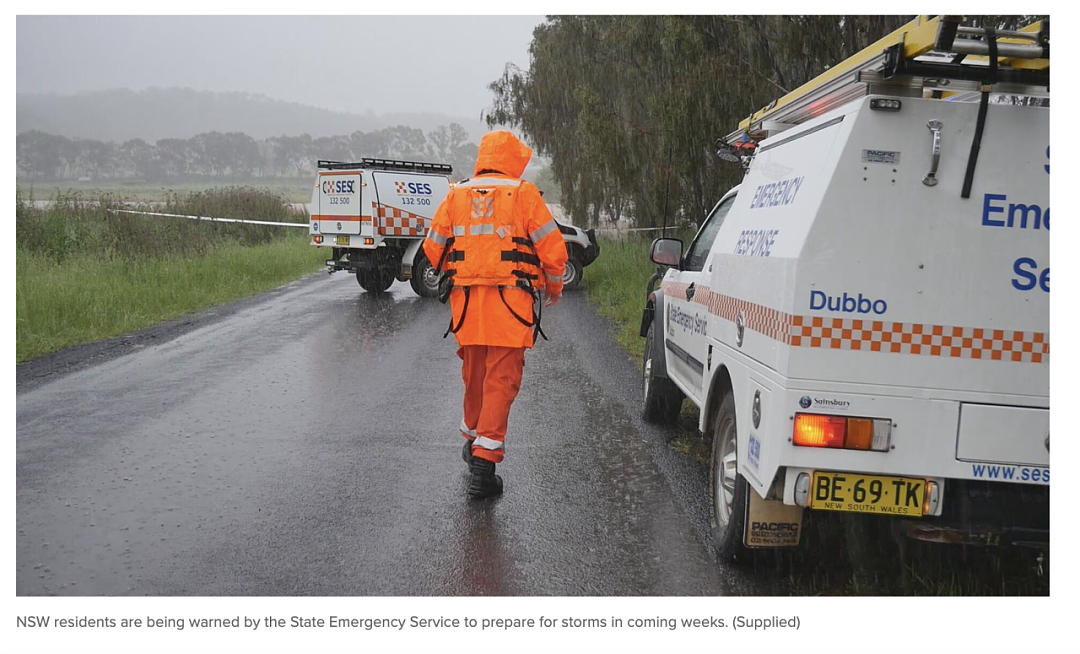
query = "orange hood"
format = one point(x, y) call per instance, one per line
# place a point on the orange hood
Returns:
point(504, 152)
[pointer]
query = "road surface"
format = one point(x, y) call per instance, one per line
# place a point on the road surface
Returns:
point(305, 443)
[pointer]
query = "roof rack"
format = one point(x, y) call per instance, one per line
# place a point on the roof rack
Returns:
point(934, 53)
point(388, 164)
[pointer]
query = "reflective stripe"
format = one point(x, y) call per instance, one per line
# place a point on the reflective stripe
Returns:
point(489, 181)
point(459, 230)
point(483, 228)
point(554, 278)
point(488, 443)
point(501, 232)
point(465, 429)
point(544, 230)
point(436, 237)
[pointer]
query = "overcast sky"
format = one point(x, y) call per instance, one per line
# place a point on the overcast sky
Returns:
point(349, 63)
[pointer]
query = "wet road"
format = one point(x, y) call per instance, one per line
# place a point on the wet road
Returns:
point(306, 445)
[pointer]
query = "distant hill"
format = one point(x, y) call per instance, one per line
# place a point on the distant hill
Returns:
point(155, 113)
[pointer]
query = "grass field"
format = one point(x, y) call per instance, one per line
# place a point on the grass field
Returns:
point(616, 283)
point(87, 298)
point(290, 190)
point(841, 554)
point(84, 274)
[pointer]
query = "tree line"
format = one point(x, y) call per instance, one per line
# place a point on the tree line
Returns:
point(231, 155)
point(628, 107)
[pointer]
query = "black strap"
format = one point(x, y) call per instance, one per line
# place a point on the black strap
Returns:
point(538, 313)
point(537, 301)
point(456, 255)
point(524, 275)
point(520, 257)
point(511, 309)
point(980, 123)
point(451, 329)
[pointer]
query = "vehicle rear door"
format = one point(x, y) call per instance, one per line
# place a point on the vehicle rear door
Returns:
point(337, 217)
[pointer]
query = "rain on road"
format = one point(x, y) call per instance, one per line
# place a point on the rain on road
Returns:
point(306, 444)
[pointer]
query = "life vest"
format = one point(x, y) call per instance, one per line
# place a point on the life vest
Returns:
point(489, 246)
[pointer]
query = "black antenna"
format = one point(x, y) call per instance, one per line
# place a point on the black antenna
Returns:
point(667, 192)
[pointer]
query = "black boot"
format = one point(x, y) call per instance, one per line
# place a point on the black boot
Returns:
point(483, 482)
point(466, 453)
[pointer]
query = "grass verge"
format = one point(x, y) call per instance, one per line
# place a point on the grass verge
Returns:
point(87, 298)
point(84, 272)
point(291, 190)
point(616, 283)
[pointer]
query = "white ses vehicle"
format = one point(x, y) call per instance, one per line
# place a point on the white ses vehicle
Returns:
point(374, 214)
point(864, 321)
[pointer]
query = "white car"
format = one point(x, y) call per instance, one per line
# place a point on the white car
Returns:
point(582, 249)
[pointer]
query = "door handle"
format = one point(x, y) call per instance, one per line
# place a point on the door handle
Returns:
point(935, 152)
point(690, 290)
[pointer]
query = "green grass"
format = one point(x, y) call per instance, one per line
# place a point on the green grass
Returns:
point(84, 273)
point(616, 283)
point(87, 298)
point(290, 189)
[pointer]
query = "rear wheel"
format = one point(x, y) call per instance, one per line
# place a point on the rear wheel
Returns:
point(729, 488)
point(425, 281)
point(661, 400)
point(374, 280)
point(572, 273)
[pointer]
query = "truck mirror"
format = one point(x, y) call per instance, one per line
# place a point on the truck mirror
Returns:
point(667, 252)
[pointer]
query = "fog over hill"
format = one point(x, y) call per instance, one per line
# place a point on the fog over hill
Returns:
point(157, 113)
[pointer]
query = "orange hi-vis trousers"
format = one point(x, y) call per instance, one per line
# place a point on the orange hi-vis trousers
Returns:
point(492, 376)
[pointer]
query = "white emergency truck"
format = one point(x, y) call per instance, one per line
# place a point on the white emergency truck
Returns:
point(864, 320)
point(374, 215)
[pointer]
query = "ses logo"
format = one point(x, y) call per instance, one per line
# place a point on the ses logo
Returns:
point(845, 303)
point(412, 188)
point(339, 187)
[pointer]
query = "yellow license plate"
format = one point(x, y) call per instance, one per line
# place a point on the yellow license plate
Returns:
point(342, 240)
point(842, 491)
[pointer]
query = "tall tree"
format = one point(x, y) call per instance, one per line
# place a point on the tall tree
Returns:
point(627, 107)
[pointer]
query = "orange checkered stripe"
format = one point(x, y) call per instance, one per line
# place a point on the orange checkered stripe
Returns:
point(770, 322)
point(875, 335)
point(398, 222)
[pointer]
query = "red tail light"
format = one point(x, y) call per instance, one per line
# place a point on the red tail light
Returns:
point(819, 431)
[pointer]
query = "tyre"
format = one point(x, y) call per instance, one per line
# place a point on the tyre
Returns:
point(661, 399)
point(572, 274)
point(374, 280)
point(728, 488)
point(425, 281)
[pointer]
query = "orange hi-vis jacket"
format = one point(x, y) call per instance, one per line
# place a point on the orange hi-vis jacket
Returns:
point(499, 240)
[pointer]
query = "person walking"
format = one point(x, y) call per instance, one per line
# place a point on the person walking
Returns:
point(503, 257)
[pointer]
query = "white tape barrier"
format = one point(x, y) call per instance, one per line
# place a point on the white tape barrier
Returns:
point(634, 229)
point(265, 222)
point(210, 218)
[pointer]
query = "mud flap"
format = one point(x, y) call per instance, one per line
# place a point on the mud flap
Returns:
point(408, 259)
point(771, 523)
